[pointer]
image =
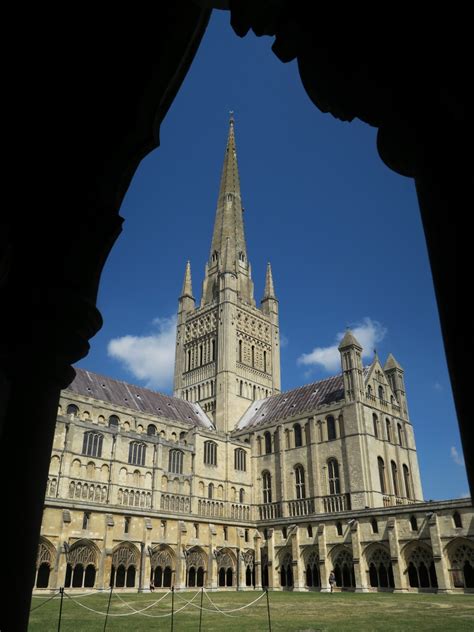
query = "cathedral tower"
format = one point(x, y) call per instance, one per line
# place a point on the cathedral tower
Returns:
point(227, 349)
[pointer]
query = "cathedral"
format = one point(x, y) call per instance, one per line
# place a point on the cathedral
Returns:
point(233, 484)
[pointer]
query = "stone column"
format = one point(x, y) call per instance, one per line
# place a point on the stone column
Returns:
point(180, 575)
point(241, 570)
point(272, 572)
point(442, 573)
point(399, 576)
point(360, 576)
point(298, 563)
point(324, 563)
point(282, 459)
point(212, 565)
point(258, 560)
point(60, 568)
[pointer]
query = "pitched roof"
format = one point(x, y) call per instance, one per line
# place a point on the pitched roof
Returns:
point(137, 399)
point(302, 399)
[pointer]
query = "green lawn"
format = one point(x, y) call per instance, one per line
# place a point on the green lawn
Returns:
point(292, 612)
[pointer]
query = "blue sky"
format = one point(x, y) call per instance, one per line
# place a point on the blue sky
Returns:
point(342, 231)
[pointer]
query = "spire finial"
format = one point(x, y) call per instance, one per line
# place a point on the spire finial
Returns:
point(187, 284)
point(269, 289)
point(231, 117)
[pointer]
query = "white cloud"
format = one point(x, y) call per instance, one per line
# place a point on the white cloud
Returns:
point(368, 333)
point(457, 458)
point(149, 358)
point(283, 341)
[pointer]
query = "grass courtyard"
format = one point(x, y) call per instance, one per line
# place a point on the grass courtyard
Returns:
point(292, 612)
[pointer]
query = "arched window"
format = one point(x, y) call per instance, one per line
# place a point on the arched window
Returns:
point(267, 487)
point(381, 464)
point(265, 361)
point(213, 343)
point(389, 430)
point(92, 444)
point(333, 477)
point(114, 421)
point(457, 520)
point(189, 360)
point(413, 523)
point(381, 393)
point(151, 430)
point(376, 425)
point(406, 478)
point(241, 388)
point(309, 530)
point(240, 458)
point(339, 528)
point(298, 435)
point(331, 424)
point(136, 453)
point(396, 490)
point(400, 435)
point(200, 355)
point(299, 479)
point(72, 410)
point(268, 443)
point(176, 462)
point(374, 525)
point(240, 350)
point(210, 453)
point(241, 495)
point(253, 355)
point(369, 391)
point(210, 491)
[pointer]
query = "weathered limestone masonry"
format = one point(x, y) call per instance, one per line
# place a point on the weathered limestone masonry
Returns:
point(231, 483)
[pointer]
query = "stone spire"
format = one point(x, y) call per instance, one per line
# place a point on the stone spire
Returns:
point(391, 363)
point(229, 221)
point(269, 289)
point(228, 248)
point(187, 283)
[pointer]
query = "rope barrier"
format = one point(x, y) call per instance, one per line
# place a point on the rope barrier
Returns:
point(143, 611)
point(130, 614)
point(44, 602)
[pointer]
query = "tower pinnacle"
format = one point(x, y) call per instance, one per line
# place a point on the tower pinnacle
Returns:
point(187, 283)
point(269, 289)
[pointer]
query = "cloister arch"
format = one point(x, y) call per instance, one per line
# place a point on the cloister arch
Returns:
point(460, 554)
point(343, 565)
point(420, 568)
point(379, 567)
point(44, 563)
point(82, 564)
point(196, 565)
point(311, 565)
point(125, 564)
point(163, 566)
point(226, 568)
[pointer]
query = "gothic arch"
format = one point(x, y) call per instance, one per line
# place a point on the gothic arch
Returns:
point(285, 558)
point(82, 563)
point(420, 568)
point(44, 562)
point(226, 568)
point(343, 565)
point(379, 567)
point(163, 566)
point(125, 562)
point(196, 565)
point(311, 564)
point(460, 554)
point(248, 560)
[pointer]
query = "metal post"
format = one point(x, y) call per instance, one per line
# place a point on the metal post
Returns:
point(61, 592)
point(108, 606)
point(268, 609)
point(172, 608)
point(200, 611)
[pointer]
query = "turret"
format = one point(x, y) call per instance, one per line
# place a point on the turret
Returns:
point(395, 376)
point(351, 362)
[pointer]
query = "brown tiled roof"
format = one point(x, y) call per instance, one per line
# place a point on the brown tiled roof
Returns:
point(299, 400)
point(137, 399)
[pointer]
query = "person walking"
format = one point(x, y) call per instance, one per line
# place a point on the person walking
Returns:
point(332, 580)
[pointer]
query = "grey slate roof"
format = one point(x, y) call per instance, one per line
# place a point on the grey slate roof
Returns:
point(137, 399)
point(291, 403)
